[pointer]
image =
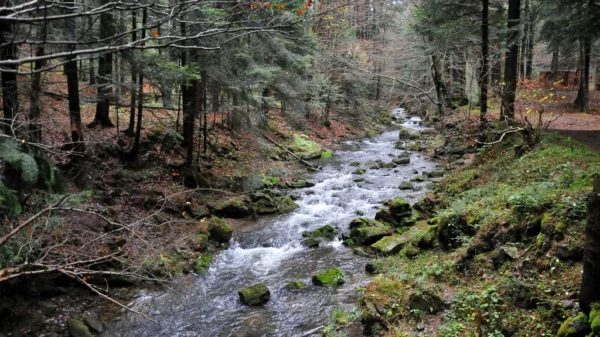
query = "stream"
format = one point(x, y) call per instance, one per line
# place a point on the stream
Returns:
point(270, 251)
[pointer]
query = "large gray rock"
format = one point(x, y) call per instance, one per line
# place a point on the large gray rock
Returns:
point(220, 230)
point(394, 243)
point(406, 133)
point(369, 235)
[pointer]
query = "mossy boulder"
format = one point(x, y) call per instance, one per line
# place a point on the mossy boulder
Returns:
point(427, 239)
point(311, 243)
point(220, 230)
point(406, 185)
point(196, 210)
point(300, 183)
point(77, 328)
point(286, 204)
point(394, 243)
point(406, 133)
point(312, 155)
point(401, 161)
point(370, 235)
point(399, 207)
point(358, 251)
point(329, 278)
point(410, 251)
point(359, 171)
point(364, 222)
point(294, 285)
point(255, 295)
point(398, 213)
point(230, 208)
point(425, 207)
point(199, 242)
point(327, 231)
point(201, 263)
point(577, 326)
point(427, 300)
point(451, 227)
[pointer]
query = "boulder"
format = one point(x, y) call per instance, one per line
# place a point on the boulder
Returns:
point(406, 185)
point(220, 230)
point(575, 327)
point(369, 235)
point(394, 243)
point(435, 174)
point(286, 204)
point(425, 206)
point(93, 324)
point(255, 295)
point(426, 300)
point(199, 242)
point(294, 285)
point(364, 222)
point(409, 251)
point(300, 183)
point(312, 155)
point(77, 328)
point(451, 227)
point(427, 238)
point(201, 263)
point(196, 210)
point(406, 133)
point(230, 208)
point(359, 171)
point(360, 252)
point(327, 231)
point(311, 243)
point(399, 208)
point(401, 161)
point(330, 277)
point(595, 318)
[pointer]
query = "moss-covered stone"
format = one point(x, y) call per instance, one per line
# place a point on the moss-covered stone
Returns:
point(201, 263)
point(364, 222)
point(286, 204)
point(406, 185)
point(394, 243)
point(575, 327)
point(451, 227)
point(294, 285)
point(255, 295)
point(427, 239)
point(358, 251)
point(77, 328)
point(199, 242)
point(370, 235)
point(401, 161)
point(427, 300)
point(359, 171)
point(330, 277)
point(311, 243)
point(300, 183)
point(409, 251)
point(327, 231)
point(230, 208)
point(220, 230)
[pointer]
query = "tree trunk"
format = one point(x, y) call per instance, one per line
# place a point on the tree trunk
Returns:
point(530, 44)
point(511, 62)
point(131, 126)
point(581, 65)
point(598, 77)
point(524, 41)
point(585, 74)
point(35, 123)
point(554, 66)
point(8, 51)
point(439, 86)
point(590, 292)
point(134, 153)
point(107, 29)
point(484, 76)
point(204, 109)
point(74, 107)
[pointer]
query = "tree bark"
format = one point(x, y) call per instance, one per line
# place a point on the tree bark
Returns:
point(74, 106)
point(554, 66)
point(8, 51)
point(590, 292)
point(134, 153)
point(35, 112)
point(107, 29)
point(511, 62)
point(131, 126)
point(484, 76)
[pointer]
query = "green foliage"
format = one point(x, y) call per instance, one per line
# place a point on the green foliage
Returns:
point(14, 155)
point(474, 312)
point(9, 201)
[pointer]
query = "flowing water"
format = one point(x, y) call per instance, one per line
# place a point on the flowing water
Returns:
point(270, 251)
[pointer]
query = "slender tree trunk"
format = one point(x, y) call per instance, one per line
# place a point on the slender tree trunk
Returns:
point(204, 109)
point(437, 81)
point(554, 66)
point(131, 126)
point(8, 51)
point(134, 153)
point(524, 41)
point(585, 74)
point(74, 106)
point(484, 76)
point(590, 292)
point(581, 65)
point(598, 77)
point(511, 62)
point(35, 123)
point(530, 45)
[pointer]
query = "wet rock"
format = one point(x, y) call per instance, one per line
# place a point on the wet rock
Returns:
point(406, 133)
point(359, 171)
point(312, 155)
point(327, 231)
point(364, 222)
point(47, 308)
point(77, 328)
point(199, 242)
point(255, 295)
point(418, 179)
point(394, 243)
point(230, 208)
point(330, 277)
point(201, 263)
point(294, 285)
point(569, 252)
point(369, 235)
point(301, 183)
point(427, 239)
point(196, 210)
point(360, 252)
point(286, 204)
point(311, 243)
point(220, 230)
point(575, 327)
point(355, 164)
point(401, 161)
point(406, 185)
point(425, 206)
point(435, 174)
point(451, 227)
point(410, 251)
point(93, 324)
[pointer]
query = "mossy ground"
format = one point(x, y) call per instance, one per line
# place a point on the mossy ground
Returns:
point(535, 203)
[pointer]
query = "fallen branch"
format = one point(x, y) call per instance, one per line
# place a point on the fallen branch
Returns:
point(292, 153)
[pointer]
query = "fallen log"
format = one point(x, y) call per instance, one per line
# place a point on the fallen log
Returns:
point(292, 153)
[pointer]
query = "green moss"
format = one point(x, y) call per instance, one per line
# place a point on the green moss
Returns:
point(201, 263)
point(327, 231)
point(255, 295)
point(220, 230)
point(9, 201)
point(573, 326)
point(359, 171)
point(561, 226)
point(294, 285)
point(539, 240)
point(199, 242)
point(595, 318)
point(409, 251)
point(330, 277)
point(286, 204)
